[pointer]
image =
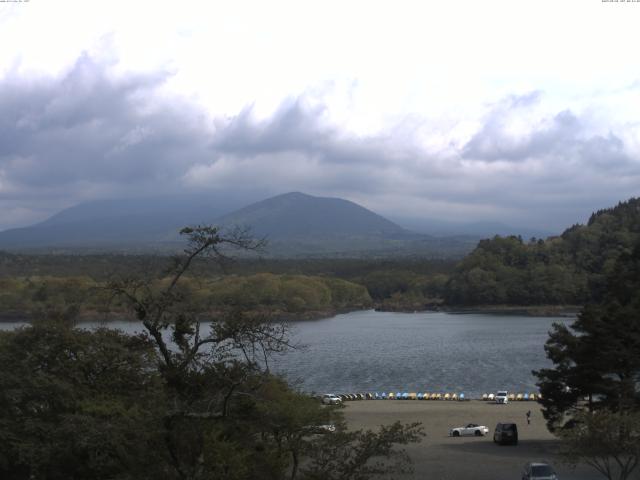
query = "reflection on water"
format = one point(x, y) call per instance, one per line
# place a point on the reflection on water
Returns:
point(419, 352)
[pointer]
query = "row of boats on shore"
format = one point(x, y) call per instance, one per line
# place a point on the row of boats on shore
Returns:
point(489, 397)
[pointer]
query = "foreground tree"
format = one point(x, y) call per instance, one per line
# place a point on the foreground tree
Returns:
point(210, 373)
point(219, 391)
point(597, 370)
point(360, 455)
point(78, 404)
point(604, 440)
point(191, 398)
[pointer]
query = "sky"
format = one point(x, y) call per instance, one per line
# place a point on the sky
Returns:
point(521, 112)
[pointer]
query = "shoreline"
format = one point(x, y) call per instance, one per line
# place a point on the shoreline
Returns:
point(567, 311)
point(520, 310)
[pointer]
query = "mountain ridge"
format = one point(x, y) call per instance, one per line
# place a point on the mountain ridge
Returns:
point(296, 224)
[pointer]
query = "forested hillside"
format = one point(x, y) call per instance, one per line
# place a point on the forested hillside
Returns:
point(275, 295)
point(31, 282)
point(569, 269)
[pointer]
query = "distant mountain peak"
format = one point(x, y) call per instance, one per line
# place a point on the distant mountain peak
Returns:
point(300, 215)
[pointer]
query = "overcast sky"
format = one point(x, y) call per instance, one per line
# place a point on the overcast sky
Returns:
point(524, 112)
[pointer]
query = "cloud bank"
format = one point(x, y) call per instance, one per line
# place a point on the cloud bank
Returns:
point(90, 133)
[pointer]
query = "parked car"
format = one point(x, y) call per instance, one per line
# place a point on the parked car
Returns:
point(506, 433)
point(331, 399)
point(538, 471)
point(502, 396)
point(470, 429)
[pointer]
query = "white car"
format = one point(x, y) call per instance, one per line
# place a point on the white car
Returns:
point(502, 397)
point(470, 429)
point(331, 399)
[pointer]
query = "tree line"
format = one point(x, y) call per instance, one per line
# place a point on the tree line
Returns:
point(570, 269)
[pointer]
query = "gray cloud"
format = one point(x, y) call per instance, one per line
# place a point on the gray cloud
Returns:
point(560, 139)
point(87, 127)
point(90, 134)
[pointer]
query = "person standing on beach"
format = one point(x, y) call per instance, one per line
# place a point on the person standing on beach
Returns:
point(529, 417)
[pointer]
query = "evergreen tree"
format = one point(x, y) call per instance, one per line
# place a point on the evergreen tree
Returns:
point(597, 359)
point(591, 397)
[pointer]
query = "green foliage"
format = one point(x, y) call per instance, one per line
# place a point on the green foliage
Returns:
point(275, 293)
point(607, 441)
point(598, 357)
point(395, 289)
point(570, 269)
point(39, 293)
point(286, 293)
point(77, 404)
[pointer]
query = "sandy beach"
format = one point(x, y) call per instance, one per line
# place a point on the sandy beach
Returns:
point(441, 457)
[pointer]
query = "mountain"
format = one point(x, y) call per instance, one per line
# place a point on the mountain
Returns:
point(296, 215)
point(300, 225)
point(137, 223)
point(295, 225)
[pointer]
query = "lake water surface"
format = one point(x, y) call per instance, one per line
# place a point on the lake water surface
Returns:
point(380, 351)
point(372, 351)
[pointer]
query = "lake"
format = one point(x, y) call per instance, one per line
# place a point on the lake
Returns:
point(370, 351)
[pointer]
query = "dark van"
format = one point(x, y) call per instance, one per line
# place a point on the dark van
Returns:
point(505, 434)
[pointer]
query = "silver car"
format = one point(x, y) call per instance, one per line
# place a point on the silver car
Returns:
point(538, 471)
